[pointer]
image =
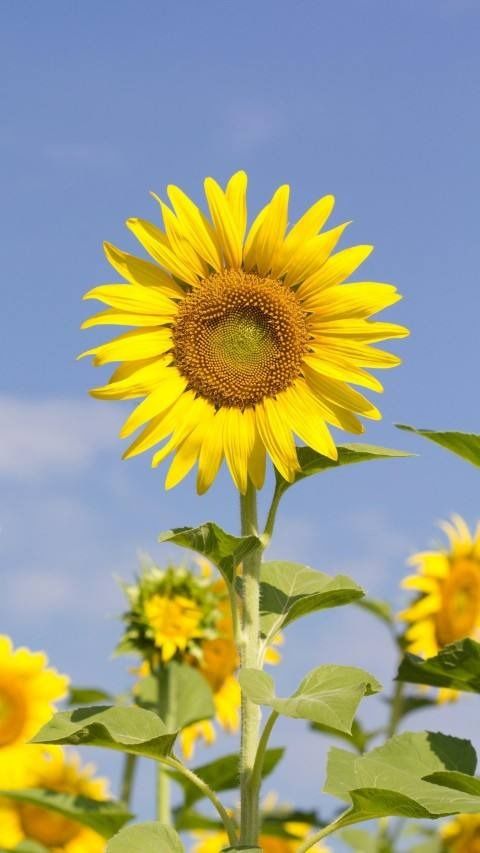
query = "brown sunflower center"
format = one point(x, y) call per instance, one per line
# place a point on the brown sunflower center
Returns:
point(46, 827)
point(239, 338)
point(460, 611)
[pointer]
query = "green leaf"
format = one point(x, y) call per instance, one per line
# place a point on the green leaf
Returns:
point(126, 729)
point(328, 695)
point(221, 548)
point(221, 774)
point(150, 837)
point(243, 849)
point(26, 847)
point(291, 590)
point(360, 840)
point(456, 666)
point(190, 695)
point(464, 444)
point(358, 737)
point(312, 462)
point(88, 696)
point(391, 780)
point(105, 817)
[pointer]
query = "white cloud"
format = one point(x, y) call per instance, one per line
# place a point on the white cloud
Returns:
point(57, 435)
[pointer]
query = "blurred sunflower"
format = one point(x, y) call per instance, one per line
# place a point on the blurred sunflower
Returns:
point(462, 835)
point(294, 833)
point(28, 691)
point(240, 343)
point(447, 583)
point(54, 771)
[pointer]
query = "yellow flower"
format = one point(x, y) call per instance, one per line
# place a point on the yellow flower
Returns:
point(238, 344)
point(215, 842)
point(56, 772)
point(28, 690)
point(462, 835)
point(447, 607)
point(175, 621)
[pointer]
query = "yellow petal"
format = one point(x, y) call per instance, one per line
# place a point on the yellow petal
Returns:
point(335, 270)
point(170, 385)
point(304, 229)
point(133, 380)
point(157, 245)
point(228, 234)
point(432, 563)
point(352, 300)
point(257, 461)
point(268, 236)
point(196, 227)
point(360, 353)
point(185, 457)
point(161, 426)
point(342, 370)
point(308, 260)
point(426, 606)
point(132, 346)
point(341, 394)
point(133, 298)
point(421, 583)
point(277, 438)
point(138, 271)
point(211, 455)
point(303, 415)
point(112, 317)
point(238, 440)
point(180, 243)
point(356, 329)
point(236, 193)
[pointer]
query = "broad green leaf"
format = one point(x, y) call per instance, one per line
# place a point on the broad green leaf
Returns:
point(190, 695)
point(88, 695)
point(328, 695)
point(209, 540)
point(464, 444)
point(456, 666)
point(456, 780)
point(391, 780)
point(221, 774)
point(312, 462)
point(105, 817)
point(148, 837)
point(291, 590)
point(129, 729)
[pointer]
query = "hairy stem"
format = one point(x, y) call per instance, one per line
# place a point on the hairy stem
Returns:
point(164, 808)
point(249, 653)
point(128, 777)
point(227, 821)
point(256, 780)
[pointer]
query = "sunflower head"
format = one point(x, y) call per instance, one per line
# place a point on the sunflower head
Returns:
point(462, 834)
point(55, 771)
point(172, 613)
point(447, 586)
point(240, 340)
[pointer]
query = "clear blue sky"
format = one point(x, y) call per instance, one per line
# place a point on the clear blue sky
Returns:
point(377, 102)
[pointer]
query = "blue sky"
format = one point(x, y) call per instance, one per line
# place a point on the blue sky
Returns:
point(101, 103)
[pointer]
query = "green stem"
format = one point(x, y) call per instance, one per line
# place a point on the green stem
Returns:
point(257, 771)
point(249, 652)
point(164, 808)
point(272, 512)
point(327, 830)
point(227, 821)
point(128, 775)
point(396, 709)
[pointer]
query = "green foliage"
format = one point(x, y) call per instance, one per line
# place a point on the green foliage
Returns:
point(150, 837)
point(126, 729)
point(361, 841)
point(312, 462)
point(328, 695)
point(221, 774)
point(358, 737)
point(218, 546)
point(291, 590)
point(105, 817)
point(26, 847)
point(456, 666)
point(394, 778)
point(189, 695)
point(464, 444)
point(87, 695)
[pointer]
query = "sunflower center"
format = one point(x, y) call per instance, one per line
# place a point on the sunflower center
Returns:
point(460, 610)
point(239, 338)
point(12, 715)
point(46, 827)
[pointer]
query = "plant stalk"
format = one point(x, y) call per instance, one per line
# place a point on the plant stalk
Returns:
point(164, 807)
point(249, 655)
point(128, 777)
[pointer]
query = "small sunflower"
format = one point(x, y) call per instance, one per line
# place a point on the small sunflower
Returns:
point(240, 342)
point(462, 835)
point(447, 583)
point(28, 691)
point(54, 771)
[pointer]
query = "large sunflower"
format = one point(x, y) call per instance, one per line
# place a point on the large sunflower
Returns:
point(447, 583)
point(28, 691)
point(462, 834)
point(240, 343)
point(54, 771)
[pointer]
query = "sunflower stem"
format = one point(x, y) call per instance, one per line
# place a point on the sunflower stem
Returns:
point(128, 777)
point(249, 654)
point(164, 809)
point(396, 708)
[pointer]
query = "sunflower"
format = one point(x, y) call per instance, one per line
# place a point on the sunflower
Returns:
point(462, 835)
point(447, 583)
point(28, 691)
point(239, 343)
point(54, 771)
